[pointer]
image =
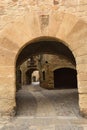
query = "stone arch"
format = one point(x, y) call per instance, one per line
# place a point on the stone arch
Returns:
point(66, 27)
point(44, 45)
point(40, 40)
point(60, 67)
point(29, 74)
point(35, 76)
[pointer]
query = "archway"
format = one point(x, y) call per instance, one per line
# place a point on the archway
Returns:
point(35, 77)
point(29, 76)
point(45, 46)
point(13, 39)
point(40, 46)
point(65, 78)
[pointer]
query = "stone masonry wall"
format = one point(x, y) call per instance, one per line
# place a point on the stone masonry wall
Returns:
point(53, 62)
point(22, 21)
point(11, 10)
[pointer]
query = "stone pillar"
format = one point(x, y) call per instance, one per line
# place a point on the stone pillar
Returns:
point(7, 90)
point(24, 77)
point(18, 78)
point(50, 80)
point(82, 88)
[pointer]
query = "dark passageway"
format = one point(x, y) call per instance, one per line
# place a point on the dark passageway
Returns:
point(33, 100)
point(65, 78)
point(28, 76)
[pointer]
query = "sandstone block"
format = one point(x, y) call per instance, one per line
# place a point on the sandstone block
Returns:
point(7, 107)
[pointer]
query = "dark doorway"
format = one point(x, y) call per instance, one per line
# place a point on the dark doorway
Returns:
point(65, 78)
point(43, 75)
point(29, 76)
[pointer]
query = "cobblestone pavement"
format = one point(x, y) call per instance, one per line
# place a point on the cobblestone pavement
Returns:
point(36, 101)
point(41, 109)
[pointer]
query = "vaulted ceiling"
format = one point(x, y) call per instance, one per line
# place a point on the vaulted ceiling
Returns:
point(44, 47)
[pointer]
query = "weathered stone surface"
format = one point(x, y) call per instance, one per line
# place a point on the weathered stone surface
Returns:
point(83, 104)
point(11, 10)
point(54, 23)
point(82, 85)
point(83, 100)
point(74, 38)
point(7, 71)
point(7, 44)
point(20, 23)
point(7, 89)
point(66, 26)
point(82, 68)
point(82, 76)
point(5, 55)
point(81, 59)
point(7, 107)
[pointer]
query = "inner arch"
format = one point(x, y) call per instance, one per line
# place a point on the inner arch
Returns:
point(45, 46)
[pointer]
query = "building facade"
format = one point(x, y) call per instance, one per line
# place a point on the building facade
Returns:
point(34, 27)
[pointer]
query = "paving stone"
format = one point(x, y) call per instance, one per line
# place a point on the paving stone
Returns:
point(38, 101)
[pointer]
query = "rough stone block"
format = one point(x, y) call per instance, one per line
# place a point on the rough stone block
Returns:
point(75, 37)
point(7, 87)
point(83, 104)
point(82, 68)
point(8, 44)
point(81, 50)
point(7, 107)
point(6, 57)
point(82, 76)
point(81, 59)
point(7, 71)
